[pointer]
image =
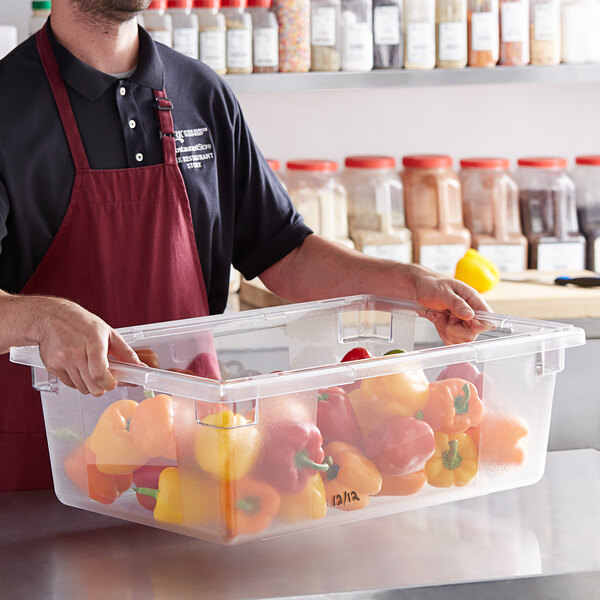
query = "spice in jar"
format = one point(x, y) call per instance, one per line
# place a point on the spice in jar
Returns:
point(483, 33)
point(419, 34)
point(265, 36)
point(451, 33)
point(587, 186)
point(239, 36)
point(325, 35)
point(357, 35)
point(158, 23)
point(293, 17)
point(545, 32)
point(514, 32)
point(212, 33)
point(388, 43)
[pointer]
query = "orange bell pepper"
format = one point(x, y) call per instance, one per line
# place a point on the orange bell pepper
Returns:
point(310, 503)
point(351, 478)
point(148, 357)
point(151, 427)
point(501, 439)
point(453, 407)
point(111, 441)
point(403, 485)
point(454, 461)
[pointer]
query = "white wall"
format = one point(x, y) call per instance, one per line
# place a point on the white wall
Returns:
point(16, 12)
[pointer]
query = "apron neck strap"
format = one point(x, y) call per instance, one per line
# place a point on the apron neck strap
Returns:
point(164, 107)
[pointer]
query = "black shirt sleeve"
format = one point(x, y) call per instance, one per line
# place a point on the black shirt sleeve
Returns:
point(4, 210)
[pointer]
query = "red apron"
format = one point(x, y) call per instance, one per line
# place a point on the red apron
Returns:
point(125, 251)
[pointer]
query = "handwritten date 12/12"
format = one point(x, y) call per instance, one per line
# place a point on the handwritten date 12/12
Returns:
point(346, 498)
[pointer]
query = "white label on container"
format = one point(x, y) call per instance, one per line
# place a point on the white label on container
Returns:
point(322, 26)
point(386, 25)
point(515, 21)
point(266, 47)
point(484, 32)
point(163, 36)
point(420, 43)
point(508, 257)
point(239, 49)
point(561, 256)
point(442, 257)
point(212, 49)
point(453, 41)
point(185, 40)
point(358, 45)
point(596, 264)
point(398, 252)
point(546, 21)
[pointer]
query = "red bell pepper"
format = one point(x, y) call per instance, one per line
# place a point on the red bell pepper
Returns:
point(356, 354)
point(400, 445)
point(147, 477)
point(467, 371)
point(336, 419)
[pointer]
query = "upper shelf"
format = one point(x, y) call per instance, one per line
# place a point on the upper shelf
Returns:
point(303, 82)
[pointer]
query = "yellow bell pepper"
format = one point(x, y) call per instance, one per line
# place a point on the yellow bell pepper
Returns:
point(167, 496)
point(310, 503)
point(226, 445)
point(476, 270)
point(454, 461)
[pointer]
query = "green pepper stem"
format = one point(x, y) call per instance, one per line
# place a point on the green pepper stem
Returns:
point(249, 504)
point(302, 461)
point(332, 470)
point(395, 351)
point(148, 394)
point(461, 402)
point(150, 492)
point(451, 458)
point(420, 415)
point(322, 397)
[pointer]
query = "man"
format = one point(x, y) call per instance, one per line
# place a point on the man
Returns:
point(129, 183)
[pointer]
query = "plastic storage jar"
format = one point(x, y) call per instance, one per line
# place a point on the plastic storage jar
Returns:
point(158, 23)
point(514, 32)
point(419, 34)
point(548, 214)
point(185, 27)
point(376, 207)
point(357, 35)
point(451, 33)
point(587, 193)
point(491, 208)
point(325, 35)
point(319, 196)
point(433, 206)
point(40, 11)
point(580, 20)
point(239, 36)
point(545, 32)
point(388, 34)
point(211, 35)
point(483, 33)
point(265, 36)
point(293, 17)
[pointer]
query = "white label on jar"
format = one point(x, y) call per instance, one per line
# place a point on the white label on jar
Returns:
point(514, 22)
point(358, 45)
point(185, 40)
point(441, 258)
point(239, 49)
point(266, 47)
point(420, 43)
point(398, 252)
point(546, 21)
point(483, 32)
point(453, 41)
point(595, 266)
point(163, 36)
point(322, 26)
point(507, 257)
point(561, 256)
point(212, 49)
point(386, 25)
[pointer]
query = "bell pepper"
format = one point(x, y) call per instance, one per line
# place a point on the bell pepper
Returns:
point(351, 478)
point(111, 441)
point(466, 371)
point(403, 485)
point(310, 503)
point(148, 357)
point(248, 505)
point(356, 354)
point(454, 461)
point(147, 477)
point(151, 427)
point(292, 455)
point(453, 407)
point(501, 439)
point(226, 445)
point(336, 419)
point(476, 270)
point(400, 445)
point(168, 496)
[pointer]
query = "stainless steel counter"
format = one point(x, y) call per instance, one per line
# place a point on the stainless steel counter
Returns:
point(50, 551)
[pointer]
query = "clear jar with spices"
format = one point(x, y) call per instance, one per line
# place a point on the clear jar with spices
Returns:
point(587, 189)
point(388, 34)
point(483, 29)
point(580, 23)
point(433, 206)
point(265, 36)
point(451, 33)
point(319, 196)
point(239, 36)
point(514, 33)
point(491, 209)
point(293, 17)
point(548, 214)
point(357, 35)
point(376, 207)
point(419, 34)
point(325, 35)
point(545, 32)
point(158, 23)
point(185, 27)
point(211, 35)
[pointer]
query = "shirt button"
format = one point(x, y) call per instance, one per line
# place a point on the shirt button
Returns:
point(122, 91)
point(132, 124)
point(139, 157)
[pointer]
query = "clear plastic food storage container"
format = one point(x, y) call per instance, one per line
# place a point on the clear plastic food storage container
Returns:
point(388, 34)
point(483, 33)
point(185, 27)
point(325, 35)
point(158, 23)
point(545, 32)
point(451, 33)
point(514, 32)
point(239, 36)
point(288, 436)
point(357, 35)
point(212, 38)
point(419, 34)
point(587, 190)
point(265, 36)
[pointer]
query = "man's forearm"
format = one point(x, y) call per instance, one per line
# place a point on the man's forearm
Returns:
point(17, 319)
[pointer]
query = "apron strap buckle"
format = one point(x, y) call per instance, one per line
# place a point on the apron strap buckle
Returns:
point(163, 103)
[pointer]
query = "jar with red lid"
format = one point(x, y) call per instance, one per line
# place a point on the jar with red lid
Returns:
point(491, 209)
point(211, 35)
point(185, 27)
point(376, 207)
point(239, 36)
point(265, 36)
point(587, 194)
point(319, 196)
point(158, 23)
point(548, 214)
point(514, 32)
point(433, 206)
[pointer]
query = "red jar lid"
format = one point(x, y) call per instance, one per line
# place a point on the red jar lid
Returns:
point(179, 4)
point(312, 165)
point(233, 3)
point(485, 163)
point(260, 3)
point(427, 161)
point(543, 162)
point(370, 162)
point(207, 3)
point(274, 164)
point(157, 5)
point(590, 161)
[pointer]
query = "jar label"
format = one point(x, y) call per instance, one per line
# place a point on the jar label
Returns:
point(441, 257)
point(266, 47)
point(162, 36)
point(358, 46)
point(386, 25)
point(561, 256)
point(420, 43)
point(212, 49)
point(515, 20)
point(398, 252)
point(239, 49)
point(484, 32)
point(453, 41)
point(185, 40)
point(507, 257)
point(322, 26)
point(546, 22)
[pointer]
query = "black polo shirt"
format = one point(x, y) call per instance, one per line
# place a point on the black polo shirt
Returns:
point(241, 213)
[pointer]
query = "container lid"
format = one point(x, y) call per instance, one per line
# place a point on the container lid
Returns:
point(274, 164)
point(591, 161)
point(370, 162)
point(41, 4)
point(312, 165)
point(157, 5)
point(206, 3)
point(179, 3)
point(260, 3)
point(233, 3)
point(485, 163)
point(543, 162)
point(427, 161)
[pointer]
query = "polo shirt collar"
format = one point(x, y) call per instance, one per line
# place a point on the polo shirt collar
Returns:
point(92, 83)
